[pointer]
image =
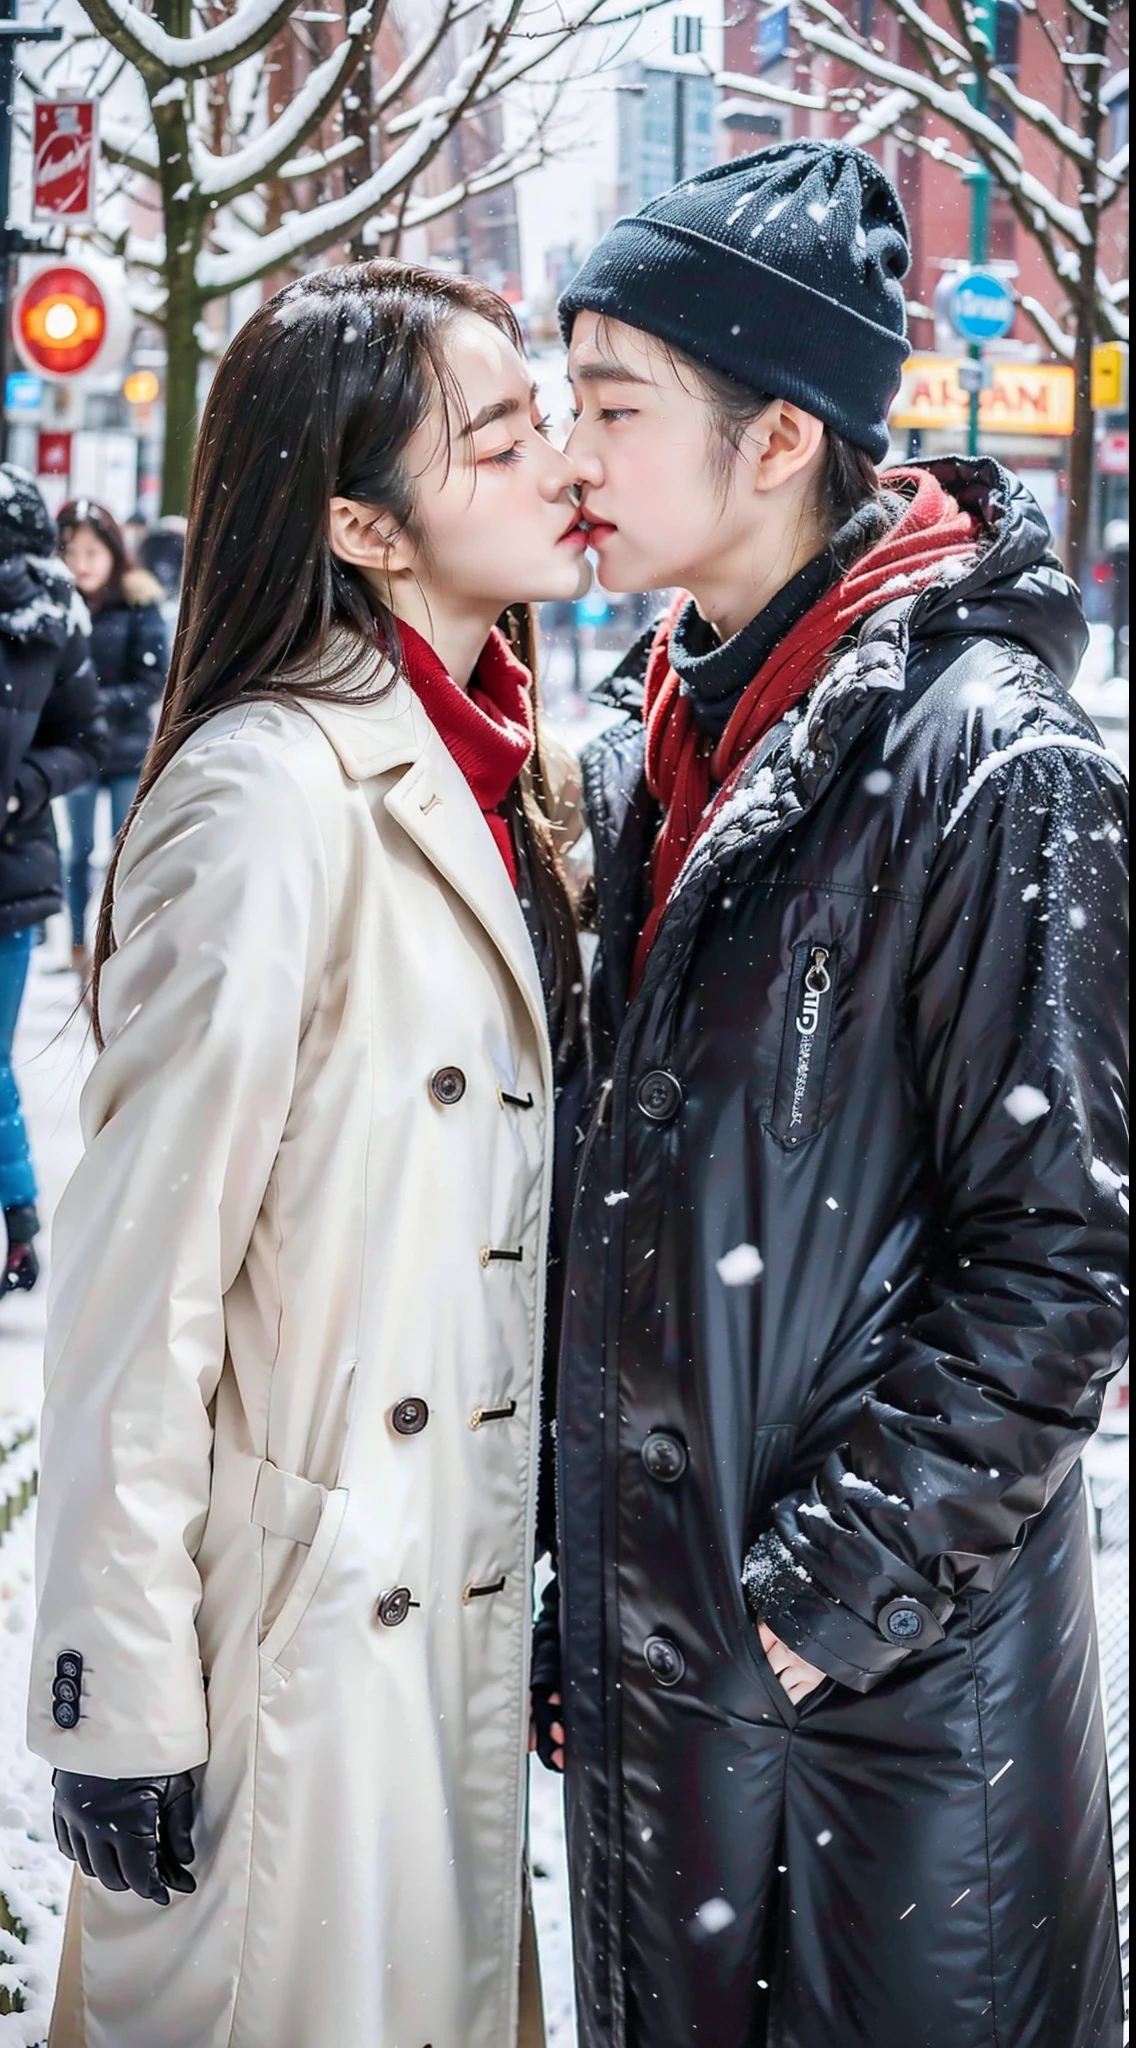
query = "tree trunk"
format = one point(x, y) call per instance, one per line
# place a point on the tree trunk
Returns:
point(183, 358)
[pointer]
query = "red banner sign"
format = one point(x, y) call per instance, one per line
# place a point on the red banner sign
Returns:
point(64, 159)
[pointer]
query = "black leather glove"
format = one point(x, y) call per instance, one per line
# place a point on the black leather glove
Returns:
point(133, 1834)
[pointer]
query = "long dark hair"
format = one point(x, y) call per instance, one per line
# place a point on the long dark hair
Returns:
point(80, 512)
point(317, 397)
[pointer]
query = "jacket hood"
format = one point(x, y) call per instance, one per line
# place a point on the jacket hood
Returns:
point(39, 601)
point(1017, 589)
point(139, 587)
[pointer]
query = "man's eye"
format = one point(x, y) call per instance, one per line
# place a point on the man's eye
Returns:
point(617, 412)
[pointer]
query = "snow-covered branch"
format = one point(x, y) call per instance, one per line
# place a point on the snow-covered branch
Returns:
point(306, 234)
point(953, 105)
point(226, 177)
point(156, 54)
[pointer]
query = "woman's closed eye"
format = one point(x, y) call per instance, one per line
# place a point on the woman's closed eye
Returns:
point(503, 458)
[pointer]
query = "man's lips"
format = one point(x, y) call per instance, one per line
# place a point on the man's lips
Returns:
point(598, 530)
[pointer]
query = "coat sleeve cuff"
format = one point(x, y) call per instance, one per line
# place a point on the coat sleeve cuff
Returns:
point(782, 1594)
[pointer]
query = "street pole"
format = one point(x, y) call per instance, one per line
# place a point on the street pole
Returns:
point(984, 21)
point(13, 242)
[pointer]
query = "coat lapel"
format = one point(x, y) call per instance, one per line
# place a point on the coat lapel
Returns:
point(435, 806)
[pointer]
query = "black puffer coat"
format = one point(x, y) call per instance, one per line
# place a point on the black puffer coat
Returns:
point(52, 733)
point(128, 648)
point(880, 1041)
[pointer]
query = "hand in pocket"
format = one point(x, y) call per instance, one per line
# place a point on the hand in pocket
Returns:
point(795, 1676)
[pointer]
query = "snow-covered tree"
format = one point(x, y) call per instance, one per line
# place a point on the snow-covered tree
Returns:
point(215, 149)
point(931, 105)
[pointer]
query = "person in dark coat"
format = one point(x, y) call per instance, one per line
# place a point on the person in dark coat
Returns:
point(844, 1284)
point(52, 737)
point(129, 650)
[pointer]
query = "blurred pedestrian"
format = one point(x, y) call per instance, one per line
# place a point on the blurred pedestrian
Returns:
point(129, 650)
point(51, 740)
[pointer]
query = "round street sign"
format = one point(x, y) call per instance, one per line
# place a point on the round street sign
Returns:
point(980, 307)
point(69, 318)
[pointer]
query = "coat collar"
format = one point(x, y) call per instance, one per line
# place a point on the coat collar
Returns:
point(434, 805)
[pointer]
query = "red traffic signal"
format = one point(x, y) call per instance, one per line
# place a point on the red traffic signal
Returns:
point(59, 321)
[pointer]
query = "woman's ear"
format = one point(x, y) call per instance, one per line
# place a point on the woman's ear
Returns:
point(786, 442)
point(369, 540)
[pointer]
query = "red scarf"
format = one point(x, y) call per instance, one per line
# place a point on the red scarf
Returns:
point(684, 769)
point(488, 729)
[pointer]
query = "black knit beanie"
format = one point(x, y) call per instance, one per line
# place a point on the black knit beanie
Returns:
point(783, 269)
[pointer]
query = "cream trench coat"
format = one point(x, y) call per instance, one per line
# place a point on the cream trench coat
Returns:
point(293, 1367)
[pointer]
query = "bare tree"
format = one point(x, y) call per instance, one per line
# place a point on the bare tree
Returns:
point(206, 144)
point(897, 98)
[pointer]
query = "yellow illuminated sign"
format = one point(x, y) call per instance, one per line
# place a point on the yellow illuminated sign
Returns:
point(1023, 398)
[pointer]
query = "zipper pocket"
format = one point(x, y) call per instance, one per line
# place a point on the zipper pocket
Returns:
point(807, 1035)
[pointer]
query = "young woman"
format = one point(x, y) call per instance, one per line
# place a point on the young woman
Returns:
point(128, 648)
point(294, 1347)
point(845, 1281)
point(52, 737)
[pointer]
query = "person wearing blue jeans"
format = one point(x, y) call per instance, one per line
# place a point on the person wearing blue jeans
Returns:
point(53, 737)
point(17, 1176)
point(81, 811)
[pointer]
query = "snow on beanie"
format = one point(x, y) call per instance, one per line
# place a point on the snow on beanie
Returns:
point(782, 269)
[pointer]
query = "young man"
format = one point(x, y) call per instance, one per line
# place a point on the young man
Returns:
point(844, 1284)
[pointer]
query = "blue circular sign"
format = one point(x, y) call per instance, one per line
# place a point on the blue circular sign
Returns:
point(980, 307)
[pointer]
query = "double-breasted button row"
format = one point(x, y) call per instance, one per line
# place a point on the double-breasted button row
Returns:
point(659, 1096)
point(447, 1085)
point(392, 1608)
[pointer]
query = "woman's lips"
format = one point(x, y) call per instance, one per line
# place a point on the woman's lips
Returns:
point(598, 530)
point(574, 537)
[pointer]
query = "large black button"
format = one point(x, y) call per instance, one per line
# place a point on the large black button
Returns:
point(409, 1416)
point(67, 1690)
point(65, 1714)
point(394, 1607)
point(908, 1624)
point(447, 1086)
point(664, 1456)
point(659, 1096)
point(665, 1660)
point(69, 1664)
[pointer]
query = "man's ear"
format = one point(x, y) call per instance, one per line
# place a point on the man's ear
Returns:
point(369, 540)
point(786, 441)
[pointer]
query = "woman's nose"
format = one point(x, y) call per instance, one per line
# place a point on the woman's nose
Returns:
point(572, 469)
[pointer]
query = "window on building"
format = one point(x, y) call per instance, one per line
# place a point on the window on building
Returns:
point(1007, 56)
